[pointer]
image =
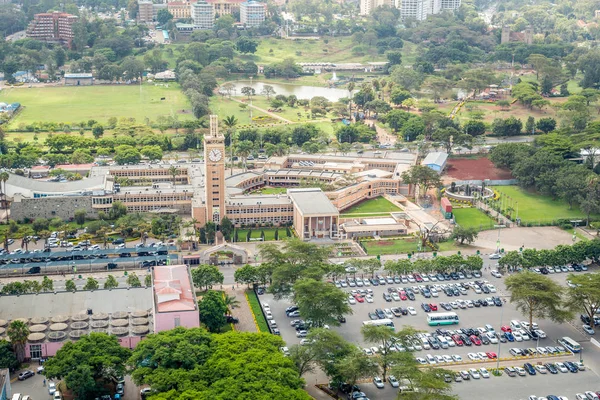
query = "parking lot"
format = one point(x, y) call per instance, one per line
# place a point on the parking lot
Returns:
point(471, 317)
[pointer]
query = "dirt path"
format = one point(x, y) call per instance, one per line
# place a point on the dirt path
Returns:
point(287, 121)
point(383, 136)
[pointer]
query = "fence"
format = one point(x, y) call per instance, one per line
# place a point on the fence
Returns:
point(489, 182)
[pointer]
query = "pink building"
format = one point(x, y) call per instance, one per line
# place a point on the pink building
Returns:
point(174, 298)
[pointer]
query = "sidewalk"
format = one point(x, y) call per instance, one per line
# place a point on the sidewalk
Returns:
point(242, 311)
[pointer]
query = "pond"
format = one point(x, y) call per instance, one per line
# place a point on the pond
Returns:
point(301, 91)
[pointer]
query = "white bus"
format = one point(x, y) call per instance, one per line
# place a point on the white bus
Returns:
point(437, 319)
point(386, 321)
point(570, 344)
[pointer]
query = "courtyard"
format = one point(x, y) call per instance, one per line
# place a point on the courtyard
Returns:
point(376, 207)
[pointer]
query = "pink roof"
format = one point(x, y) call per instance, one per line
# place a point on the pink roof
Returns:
point(40, 167)
point(173, 289)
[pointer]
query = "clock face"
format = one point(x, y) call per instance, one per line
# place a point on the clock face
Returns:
point(215, 155)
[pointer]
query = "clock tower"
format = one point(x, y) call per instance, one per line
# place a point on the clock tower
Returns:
point(214, 162)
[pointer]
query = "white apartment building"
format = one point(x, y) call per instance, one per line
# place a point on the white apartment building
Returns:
point(366, 6)
point(203, 15)
point(421, 9)
point(252, 13)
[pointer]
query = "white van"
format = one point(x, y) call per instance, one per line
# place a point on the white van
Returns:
point(16, 396)
point(514, 325)
point(443, 342)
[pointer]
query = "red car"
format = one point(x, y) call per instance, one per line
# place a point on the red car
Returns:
point(433, 307)
point(506, 328)
point(418, 278)
point(402, 295)
point(359, 298)
point(491, 355)
point(475, 340)
point(457, 339)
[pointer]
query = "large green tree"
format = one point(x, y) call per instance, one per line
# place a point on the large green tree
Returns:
point(193, 364)
point(205, 276)
point(8, 358)
point(423, 176)
point(212, 310)
point(537, 296)
point(17, 332)
point(89, 363)
point(320, 302)
point(584, 294)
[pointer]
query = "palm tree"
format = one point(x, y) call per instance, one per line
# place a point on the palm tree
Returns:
point(231, 302)
point(243, 149)
point(4, 177)
point(173, 171)
point(17, 332)
point(230, 122)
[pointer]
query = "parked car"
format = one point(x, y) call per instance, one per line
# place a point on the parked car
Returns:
point(26, 374)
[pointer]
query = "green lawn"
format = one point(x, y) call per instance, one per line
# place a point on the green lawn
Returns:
point(401, 246)
point(269, 233)
point(377, 206)
point(222, 106)
point(272, 190)
point(472, 218)
point(74, 104)
point(533, 207)
point(257, 311)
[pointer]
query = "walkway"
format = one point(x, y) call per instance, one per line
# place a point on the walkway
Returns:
point(242, 311)
point(383, 136)
point(287, 121)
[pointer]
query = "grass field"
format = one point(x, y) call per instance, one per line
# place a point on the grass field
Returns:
point(472, 218)
point(272, 190)
point(377, 206)
point(269, 234)
point(401, 246)
point(223, 107)
point(535, 208)
point(74, 104)
point(257, 311)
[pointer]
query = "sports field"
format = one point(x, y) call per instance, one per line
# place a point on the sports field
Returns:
point(81, 103)
point(535, 208)
point(472, 218)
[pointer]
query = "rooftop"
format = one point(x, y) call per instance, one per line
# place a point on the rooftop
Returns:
point(173, 289)
point(263, 200)
point(79, 75)
point(72, 167)
point(17, 184)
point(435, 158)
point(312, 202)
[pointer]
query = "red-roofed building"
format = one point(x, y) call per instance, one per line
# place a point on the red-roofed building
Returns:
point(174, 298)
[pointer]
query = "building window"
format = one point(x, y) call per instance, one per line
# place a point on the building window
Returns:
point(35, 351)
point(177, 321)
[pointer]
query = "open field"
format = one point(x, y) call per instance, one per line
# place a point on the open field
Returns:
point(269, 233)
point(224, 107)
point(401, 246)
point(272, 190)
point(472, 218)
point(74, 104)
point(378, 205)
point(533, 207)
point(471, 169)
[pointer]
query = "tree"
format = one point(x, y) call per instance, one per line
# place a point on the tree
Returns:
point(226, 228)
point(234, 365)
point(89, 363)
point(91, 284)
point(537, 296)
point(320, 302)
point(148, 280)
point(97, 131)
point(571, 183)
point(230, 302)
point(248, 91)
point(474, 128)
point(507, 127)
point(70, 286)
point(212, 311)
point(464, 234)
point(152, 152)
point(111, 282)
point(133, 280)
point(399, 95)
point(8, 359)
point(17, 333)
point(126, 154)
point(423, 176)
point(546, 125)
point(246, 274)
point(246, 45)
point(206, 276)
point(163, 16)
point(47, 284)
point(380, 335)
point(80, 216)
point(584, 294)
point(303, 358)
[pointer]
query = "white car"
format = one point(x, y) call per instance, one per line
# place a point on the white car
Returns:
point(393, 381)
point(304, 342)
point(591, 395)
point(378, 382)
point(395, 296)
point(51, 388)
point(495, 256)
point(588, 329)
point(368, 351)
point(561, 367)
point(517, 336)
point(474, 373)
point(492, 288)
point(439, 359)
point(430, 359)
point(351, 300)
point(484, 373)
point(581, 396)
point(388, 313)
point(496, 273)
point(369, 298)
point(447, 358)
point(477, 289)
point(541, 369)
point(492, 337)
point(474, 357)
point(411, 310)
point(456, 358)
point(541, 333)
point(421, 360)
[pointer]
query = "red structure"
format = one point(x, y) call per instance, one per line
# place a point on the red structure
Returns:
point(54, 27)
point(446, 207)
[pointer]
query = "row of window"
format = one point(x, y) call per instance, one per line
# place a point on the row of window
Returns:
point(259, 210)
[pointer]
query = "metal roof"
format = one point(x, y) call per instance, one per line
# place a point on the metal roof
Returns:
point(312, 202)
point(436, 158)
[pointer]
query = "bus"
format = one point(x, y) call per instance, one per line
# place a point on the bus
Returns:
point(570, 344)
point(437, 319)
point(387, 322)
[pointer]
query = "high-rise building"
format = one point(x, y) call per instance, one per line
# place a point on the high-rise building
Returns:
point(52, 27)
point(203, 15)
point(421, 9)
point(214, 161)
point(366, 6)
point(145, 11)
point(252, 13)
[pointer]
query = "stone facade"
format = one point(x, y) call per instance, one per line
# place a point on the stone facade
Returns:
point(51, 207)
